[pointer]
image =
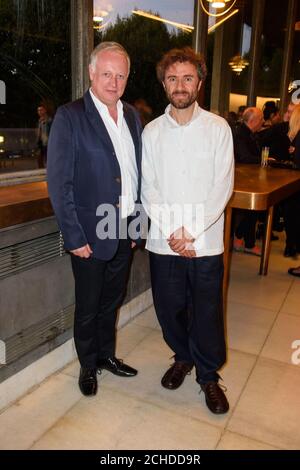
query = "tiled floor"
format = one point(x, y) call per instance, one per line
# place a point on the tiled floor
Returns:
point(263, 320)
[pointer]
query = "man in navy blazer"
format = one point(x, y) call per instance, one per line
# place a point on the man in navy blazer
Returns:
point(94, 162)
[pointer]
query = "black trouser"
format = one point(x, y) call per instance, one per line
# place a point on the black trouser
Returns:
point(187, 295)
point(291, 213)
point(247, 228)
point(99, 291)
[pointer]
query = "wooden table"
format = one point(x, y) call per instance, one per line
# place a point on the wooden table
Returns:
point(258, 189)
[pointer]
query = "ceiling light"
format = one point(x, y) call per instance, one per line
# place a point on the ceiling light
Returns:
point(216, 5)
point(238, 64)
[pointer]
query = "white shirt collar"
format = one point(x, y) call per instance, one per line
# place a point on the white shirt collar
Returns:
point(173, 123)
point(102, 108)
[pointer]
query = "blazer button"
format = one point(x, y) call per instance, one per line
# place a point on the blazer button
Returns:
point(118, 180)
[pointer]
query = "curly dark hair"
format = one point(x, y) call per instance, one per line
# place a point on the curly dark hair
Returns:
point(185, 54)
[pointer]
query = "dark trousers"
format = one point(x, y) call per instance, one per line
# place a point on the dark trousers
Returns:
point(291, 211)
point(187, 295)
point(247, 228)
point(99, 291)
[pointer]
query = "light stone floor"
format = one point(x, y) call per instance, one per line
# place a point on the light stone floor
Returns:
point(263, 320)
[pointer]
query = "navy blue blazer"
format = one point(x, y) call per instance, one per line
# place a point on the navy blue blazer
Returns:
point(83, 172)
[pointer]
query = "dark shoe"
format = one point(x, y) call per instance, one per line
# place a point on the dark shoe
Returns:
point(117, 367)
point(289, 252)
point(293, 271)
point(88, 381)
point(174, 376)
point(215, 398)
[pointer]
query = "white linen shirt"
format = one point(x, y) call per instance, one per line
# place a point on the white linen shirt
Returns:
point(125, 152)
point(192, 166)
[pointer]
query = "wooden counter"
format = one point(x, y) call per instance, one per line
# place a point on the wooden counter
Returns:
point(23, 203)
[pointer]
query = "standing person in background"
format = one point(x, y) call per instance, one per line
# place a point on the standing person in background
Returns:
point(292, 204)
point(43, 131)
point(187, 181)
point(94, 163)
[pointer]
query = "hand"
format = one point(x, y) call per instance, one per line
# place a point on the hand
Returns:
point(83, 252)
point(133, 245)
point(291, 149)
point(181, 242)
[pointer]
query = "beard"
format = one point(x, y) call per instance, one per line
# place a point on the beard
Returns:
point(182, 100)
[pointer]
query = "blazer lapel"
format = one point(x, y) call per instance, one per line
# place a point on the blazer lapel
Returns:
point(133, 128)
point(96, 121)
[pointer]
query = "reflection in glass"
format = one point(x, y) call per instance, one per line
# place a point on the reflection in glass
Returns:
point(35, 68)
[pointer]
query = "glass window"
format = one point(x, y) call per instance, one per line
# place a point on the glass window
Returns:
point(35, 77)
point(146, 28)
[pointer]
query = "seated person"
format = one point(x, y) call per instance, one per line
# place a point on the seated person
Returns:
point(246, 145)
point(247, 150)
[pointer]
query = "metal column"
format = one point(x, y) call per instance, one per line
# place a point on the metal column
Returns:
point(82, 44)
point(287, 54)
point(257, 27)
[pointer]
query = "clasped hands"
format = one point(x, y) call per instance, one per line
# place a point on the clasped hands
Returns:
point(181, 242)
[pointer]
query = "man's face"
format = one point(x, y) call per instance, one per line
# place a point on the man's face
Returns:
point(41, 111)
point(109, 76)
point(182, 84)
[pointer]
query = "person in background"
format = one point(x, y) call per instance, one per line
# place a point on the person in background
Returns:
point(187, 180)
point(43, 131)
point(276, 137)
point(247, 150)
point(94, 167)
point(271, 114)
point(232, 119)
point(292, 204)
point(240, 113)
point(144, 110)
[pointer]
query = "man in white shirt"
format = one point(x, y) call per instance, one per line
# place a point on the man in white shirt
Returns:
point(93, 164)
point(187, 180)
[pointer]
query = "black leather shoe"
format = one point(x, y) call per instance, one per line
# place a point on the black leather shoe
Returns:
point(294, 271)
point(88, 381)
point(215, 398)
point(175, 376)
point(117, 367)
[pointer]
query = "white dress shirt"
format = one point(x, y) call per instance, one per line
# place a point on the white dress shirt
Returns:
point(187, 179)
point(125, 152)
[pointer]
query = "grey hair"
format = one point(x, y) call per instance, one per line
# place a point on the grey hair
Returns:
point(249, 113)
point(108, 46)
